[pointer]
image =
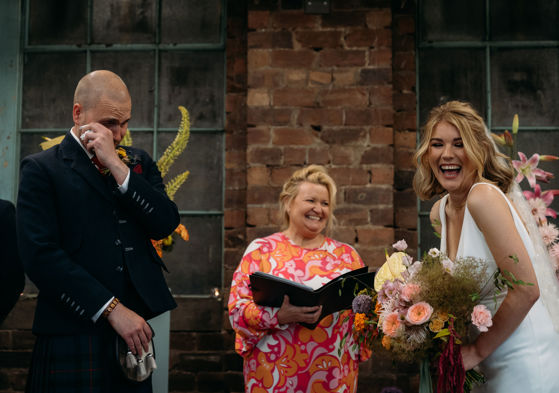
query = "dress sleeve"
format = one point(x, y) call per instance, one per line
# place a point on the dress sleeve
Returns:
point(250, 321)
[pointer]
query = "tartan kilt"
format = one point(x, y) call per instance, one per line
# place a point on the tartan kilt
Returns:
point(79, 364)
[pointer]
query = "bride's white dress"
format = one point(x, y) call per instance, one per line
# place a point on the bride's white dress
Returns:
point(528, 361)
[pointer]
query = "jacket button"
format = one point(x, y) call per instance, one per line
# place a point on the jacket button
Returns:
point(119, 269)
point(117, 242)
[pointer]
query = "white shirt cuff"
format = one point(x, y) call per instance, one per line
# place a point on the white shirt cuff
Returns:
point(98, 313)
point(124, 186)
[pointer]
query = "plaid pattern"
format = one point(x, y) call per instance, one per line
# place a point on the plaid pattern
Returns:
point(79, 364)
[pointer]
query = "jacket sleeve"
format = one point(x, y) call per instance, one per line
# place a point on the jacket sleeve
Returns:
point(147, 200)
point(46, 263)
point(250, 321)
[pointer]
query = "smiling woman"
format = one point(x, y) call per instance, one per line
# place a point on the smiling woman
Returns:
point(279, 353)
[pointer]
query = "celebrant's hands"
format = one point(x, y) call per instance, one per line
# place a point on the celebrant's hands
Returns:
point(133, 329)
point(288, 313)
point(470, 357)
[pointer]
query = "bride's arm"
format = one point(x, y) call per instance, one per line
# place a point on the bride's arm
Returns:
point(493, 217)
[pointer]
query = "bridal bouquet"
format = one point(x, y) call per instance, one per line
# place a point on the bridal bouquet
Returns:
point(421, 311)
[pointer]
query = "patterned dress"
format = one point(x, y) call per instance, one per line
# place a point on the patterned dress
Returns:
point(290, 357)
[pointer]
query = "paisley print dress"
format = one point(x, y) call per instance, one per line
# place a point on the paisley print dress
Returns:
point(290, 357)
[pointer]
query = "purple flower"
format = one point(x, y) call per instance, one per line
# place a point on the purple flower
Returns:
point(362, 304)
point(390, 389)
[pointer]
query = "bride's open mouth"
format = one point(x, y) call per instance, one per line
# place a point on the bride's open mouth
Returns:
point(450, 171)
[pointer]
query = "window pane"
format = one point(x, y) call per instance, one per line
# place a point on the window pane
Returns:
point(445, 20)
point(524, 20)
point(49, 81)
point(137, 69)
point(143, 140)
point(203, 157)
point(123, 21)
point(191, 21)
point(195, 265)
point(196, 81)
point(525, 81)
point(451, 74)
point(63, 23)
point(30, 142)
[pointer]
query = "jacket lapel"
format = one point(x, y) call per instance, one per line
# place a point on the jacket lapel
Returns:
point(79, 162)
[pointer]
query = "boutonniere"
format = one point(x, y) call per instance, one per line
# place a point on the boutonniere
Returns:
point(131, 161)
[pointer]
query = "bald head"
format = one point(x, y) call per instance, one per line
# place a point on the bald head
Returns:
point(100, 84)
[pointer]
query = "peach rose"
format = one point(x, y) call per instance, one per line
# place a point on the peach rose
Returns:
point(409, 291)
point(481, 317)
point(391, 324)
point(419, 313)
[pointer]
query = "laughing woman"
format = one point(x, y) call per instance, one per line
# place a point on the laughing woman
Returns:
point(478, 216)
point(280, 355)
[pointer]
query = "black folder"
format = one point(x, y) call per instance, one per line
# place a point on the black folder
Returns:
point(335, 295)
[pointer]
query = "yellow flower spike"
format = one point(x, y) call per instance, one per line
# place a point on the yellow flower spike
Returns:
point(174, 184)
point(127, 140)
point(515, 124)
point(178, 145)
point(168, 241)
point(50, 142)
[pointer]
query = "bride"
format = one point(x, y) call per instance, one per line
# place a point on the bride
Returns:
point(484, 215)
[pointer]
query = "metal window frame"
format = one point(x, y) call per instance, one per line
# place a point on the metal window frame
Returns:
point(488, 46)
point(157, 47)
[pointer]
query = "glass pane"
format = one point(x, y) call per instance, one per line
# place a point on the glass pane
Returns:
point(525, 81)
point(31, 142)
point(445, 20)
point(137, 70)
point(62, 23)
point(451, 74)
point(143, 140)
point(49, 81)
point(195, 265)
point(541, 142)
point(196, 81)
point(524, 20)
point(123, 21)
point(191, 21)
point(203, 157)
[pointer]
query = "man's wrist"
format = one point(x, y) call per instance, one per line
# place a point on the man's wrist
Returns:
point(112, 305)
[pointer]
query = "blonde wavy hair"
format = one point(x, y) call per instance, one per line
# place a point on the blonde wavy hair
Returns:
point(491, 165)
point(315, 174)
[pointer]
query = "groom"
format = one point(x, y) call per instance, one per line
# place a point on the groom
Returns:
point(85, 221)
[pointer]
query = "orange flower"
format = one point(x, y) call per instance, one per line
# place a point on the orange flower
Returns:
point(181, 230)
point(386, 342)
point(359, 322)
point(419, 313)
point(378, 308)
point(157, 245)
point(391, 324)
point(436, 325)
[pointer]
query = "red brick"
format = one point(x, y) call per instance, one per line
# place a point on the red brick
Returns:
point(319, 39)
point(296, 77)
point(291, 96)
point(294, 19)
point(342, 155)
point(381, 136)
point(409, 236)
point(234, 218)
point(403, 159)
point(265, 78)
point(292, 136)
point(285, 58)
point(258, 19)
point(372, 256)
point(319, 155)
point(344, 19)
point(404, 102)
point(381, 96)
point(258, 135)
point(384, 38)
point(344, 136)
point(382, 175)
point(236, 178)
point(406, 218)
point(404, 81)
point(346, 97)
point(281, 175)
point(257, 216)
point(375, 76)
point(368, 116)
point(403, 24)
point(258, 176)
point(380, 58)
point(379, 18)
point(320, 78)
point(235, 140)
point(271, 116)
point(294, 156)
point(406, 139)
point(235, 199)
point(258, 195)
point(234, 158)
point(344, 234)
point(351, 216)
point(258, 232)
point(403, 43)
point(269, 39)
point(376, 236)
point(346, 77)
point(360, 38)
point(370, 195)
point(264, 155)
point(258, 58)
point(320, 116)
point(350, 176)
point(378, 155)
point(258, 97)
point(404, 61)
point(405, 120)
point(342, 58)
point(405, 199)
point(382, 215)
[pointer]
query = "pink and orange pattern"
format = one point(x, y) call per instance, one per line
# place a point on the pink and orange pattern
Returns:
point(292, 358)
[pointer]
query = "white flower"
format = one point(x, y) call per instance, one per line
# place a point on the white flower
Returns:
point(400, 245)
point(549, 233)
point(448, 266)
point(434, 252)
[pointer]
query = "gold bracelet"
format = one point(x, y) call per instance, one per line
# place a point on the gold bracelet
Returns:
point(110, 307)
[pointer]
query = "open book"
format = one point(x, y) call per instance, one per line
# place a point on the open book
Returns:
point(335, 295)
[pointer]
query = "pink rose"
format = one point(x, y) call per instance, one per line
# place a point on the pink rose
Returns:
point(409, 291)
point(391, 324)
point(419, 313)
point(481, 317)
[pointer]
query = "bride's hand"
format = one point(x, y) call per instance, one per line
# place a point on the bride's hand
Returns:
point(470, 357)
